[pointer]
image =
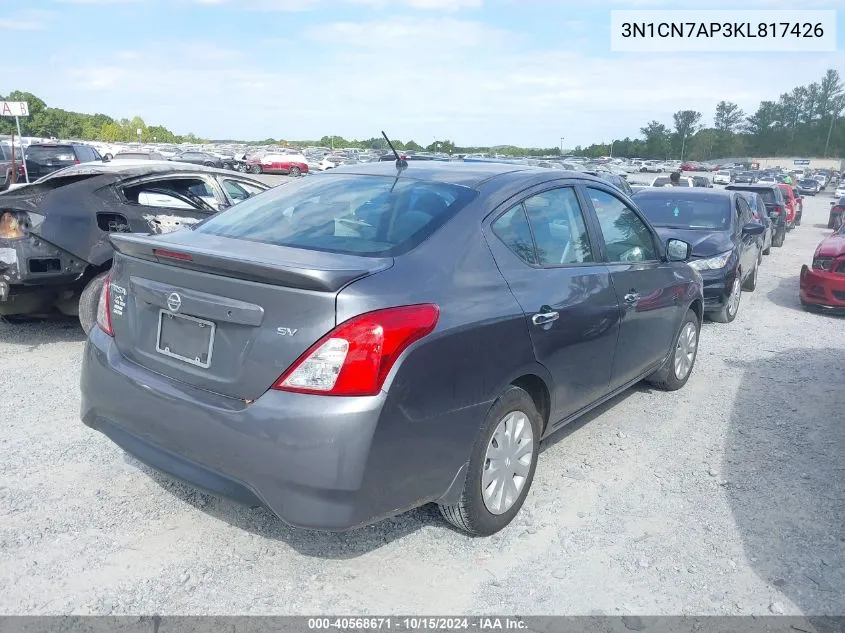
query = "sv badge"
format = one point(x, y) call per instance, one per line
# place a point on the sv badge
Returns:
point(286, 331)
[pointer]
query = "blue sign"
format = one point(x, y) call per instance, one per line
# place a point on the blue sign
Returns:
point(801, 161)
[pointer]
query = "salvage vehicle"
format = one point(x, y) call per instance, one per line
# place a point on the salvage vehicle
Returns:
point(6, 166)
point(198, 158)
point(54, 246)
point(376, 337)
point(273, 163)
point(808, 186)
point(724, 237)
point(823, 284)
point(792, 206)
point(723, 177)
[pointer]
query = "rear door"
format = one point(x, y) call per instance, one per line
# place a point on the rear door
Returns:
point(549, 259)
point(647, 290)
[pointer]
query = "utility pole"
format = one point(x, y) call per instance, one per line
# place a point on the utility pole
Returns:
point(561, 145)
point(14, 166)
point(829, 132)
point(611, 147)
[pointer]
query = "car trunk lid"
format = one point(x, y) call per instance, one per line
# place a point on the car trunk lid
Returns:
point(224, 314)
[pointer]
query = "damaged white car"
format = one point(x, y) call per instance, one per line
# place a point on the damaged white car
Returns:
point(54, 233)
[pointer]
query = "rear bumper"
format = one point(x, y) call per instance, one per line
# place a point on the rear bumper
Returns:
point(822, 289)
point(326, 463)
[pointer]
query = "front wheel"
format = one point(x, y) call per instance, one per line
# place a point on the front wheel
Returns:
point(256, 169)
point(678, 366)
point(501, 466)
point(89, 300)
point(731, 308)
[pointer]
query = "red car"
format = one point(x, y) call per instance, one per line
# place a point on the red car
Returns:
point(278, 163)
point(823, 285)
point(791, 204)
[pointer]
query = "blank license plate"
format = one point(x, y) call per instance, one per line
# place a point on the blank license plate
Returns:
point(185, 337)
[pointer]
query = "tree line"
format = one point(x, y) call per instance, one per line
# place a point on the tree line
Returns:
point(807, 121)
point(46, 122)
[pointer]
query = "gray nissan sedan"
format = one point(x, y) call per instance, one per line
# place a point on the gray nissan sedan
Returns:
point(351, 345)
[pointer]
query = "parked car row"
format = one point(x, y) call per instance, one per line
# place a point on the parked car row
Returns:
point(281, 346)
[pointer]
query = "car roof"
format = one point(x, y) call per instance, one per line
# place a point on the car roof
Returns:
point(699, 192)
point(142, 167)
point(453, 172)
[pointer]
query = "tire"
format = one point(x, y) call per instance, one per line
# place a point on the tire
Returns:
point(779, 239)
point(471, 514)
point(679, 364)
point(88, 302)
point(294, 172)
point(751, 281)
point(256, 169)
point(728, 314)
point(830, 222)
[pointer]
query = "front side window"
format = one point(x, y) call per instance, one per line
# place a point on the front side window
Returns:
point(627, 238)
point(377, 216)
point(557, 224)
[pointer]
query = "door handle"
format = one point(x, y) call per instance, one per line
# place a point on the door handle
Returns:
point(632, 297)
point(544, 318)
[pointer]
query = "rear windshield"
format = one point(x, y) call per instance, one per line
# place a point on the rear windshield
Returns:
point(352, 214)
point(54, 153)
point(683, 211)
point(769, 195)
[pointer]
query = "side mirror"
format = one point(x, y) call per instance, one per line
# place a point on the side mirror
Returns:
point(677, 250)
point(752, 228)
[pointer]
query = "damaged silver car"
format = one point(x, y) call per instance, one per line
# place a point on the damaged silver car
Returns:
point(54, 233)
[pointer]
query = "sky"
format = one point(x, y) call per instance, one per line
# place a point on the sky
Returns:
point(476, 72)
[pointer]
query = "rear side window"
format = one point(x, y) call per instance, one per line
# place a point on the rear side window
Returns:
point(512, 228)
point(352, 214)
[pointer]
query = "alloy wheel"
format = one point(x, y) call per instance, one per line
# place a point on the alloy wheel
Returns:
point(685, 350)
point(733, 299)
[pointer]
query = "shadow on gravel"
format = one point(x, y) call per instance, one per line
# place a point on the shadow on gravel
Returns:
point(34, 331)
point(262, 522)
point(785, 471)
point(785, 294)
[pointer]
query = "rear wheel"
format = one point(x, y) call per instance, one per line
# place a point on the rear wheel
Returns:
point(780, 236)
point(678, 366)
point(88, 301)
point(295, 171)
point(501, 466)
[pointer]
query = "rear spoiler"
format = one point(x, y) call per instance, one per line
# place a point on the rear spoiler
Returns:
point(252, 261)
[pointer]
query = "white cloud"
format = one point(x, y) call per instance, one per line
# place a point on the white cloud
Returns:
point(461, 79)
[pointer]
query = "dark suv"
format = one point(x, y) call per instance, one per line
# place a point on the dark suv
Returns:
point(775, 206)
point(45, 158)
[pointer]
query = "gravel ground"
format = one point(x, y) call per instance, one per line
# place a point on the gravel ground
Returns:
point(726, 497)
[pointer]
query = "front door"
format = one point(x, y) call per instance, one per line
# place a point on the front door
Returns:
point(649, 294)
point(548, 258)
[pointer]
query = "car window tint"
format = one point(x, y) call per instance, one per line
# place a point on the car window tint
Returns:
point(626, 236)
point(512, 229)
point(353, 214)
point(167, 190)
point(557, 224)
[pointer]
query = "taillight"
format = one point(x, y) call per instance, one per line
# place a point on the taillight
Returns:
point(103, 312)
point(356, 356)
point(777, 209)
